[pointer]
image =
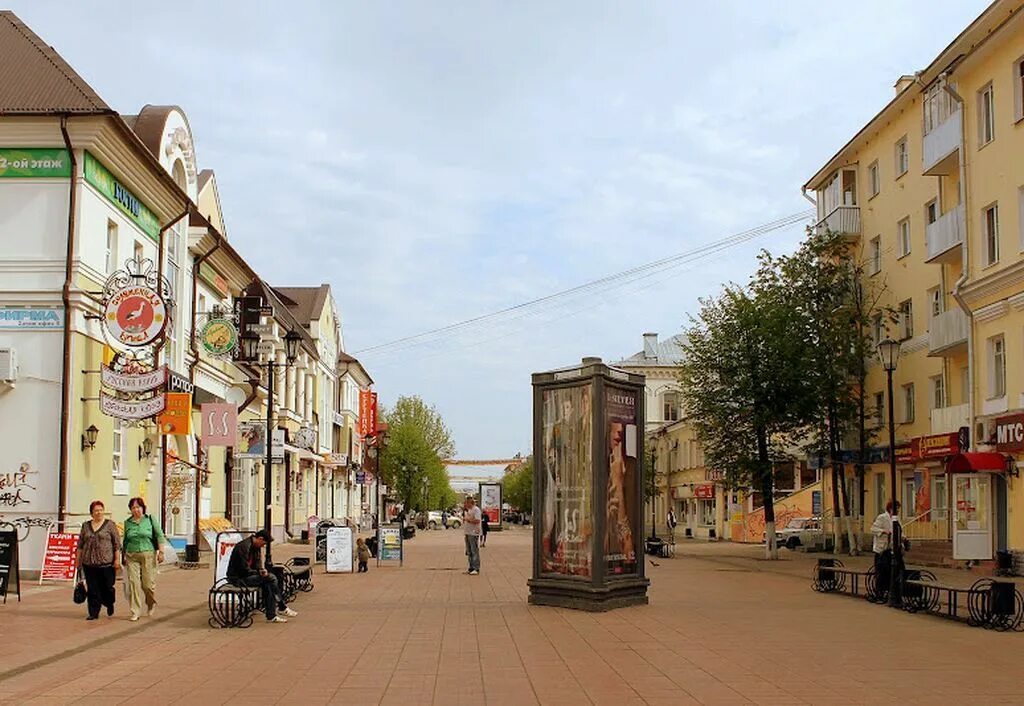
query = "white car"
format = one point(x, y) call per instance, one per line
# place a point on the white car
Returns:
point(434, 520)
point(799, 531)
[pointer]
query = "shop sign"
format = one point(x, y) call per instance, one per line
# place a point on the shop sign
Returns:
point(252, 440)
point(122, 197)
point(219, 424)
point(360, 478)
point(176, 419)
point(135, 315)
point(213, 278)
point(704, 492)
point(1010, 433)
point(131, 409)
point(219, 337)
point(922, 448)
point(34, 163)
point(713, 475)
point(133, 382)
point(25, 318)
point(179, 383)
point(337, 459)
point(60, 557)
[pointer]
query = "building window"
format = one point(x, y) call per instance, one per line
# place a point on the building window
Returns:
point(931, 211)
point(879, 409)
point(940, 503)
point(875, 255)
point(909, 509)
point(997, 367)
point(990, 231)
point(935, 301)
point(902, 157)
point(881, 496)
point(986, 116)
point(1018, 89)
point(117, 459)
point(877, 329)
point(908, 403)
point(111, 247)
point(874, 183)
point(706, 513)
point(938, 392)
point(670, 407)
point(903, 236)
point(906, 319)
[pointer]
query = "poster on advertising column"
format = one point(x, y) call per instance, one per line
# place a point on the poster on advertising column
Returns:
point(567, 492)
point(622, 503)
point(490, 504)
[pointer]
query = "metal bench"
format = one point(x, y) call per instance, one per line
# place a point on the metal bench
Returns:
point(996, 605)
point(830, 576)
point(302, 573)
point(232, 606)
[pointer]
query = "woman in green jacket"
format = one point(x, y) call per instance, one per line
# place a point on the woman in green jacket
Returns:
point(142, 541)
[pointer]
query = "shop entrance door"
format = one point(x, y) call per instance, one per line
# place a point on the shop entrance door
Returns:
point(972, 530)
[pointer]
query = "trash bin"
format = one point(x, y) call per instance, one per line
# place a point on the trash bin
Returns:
point(1004, 563)
point(654, 545)
point(192, 553)
point(304, 536)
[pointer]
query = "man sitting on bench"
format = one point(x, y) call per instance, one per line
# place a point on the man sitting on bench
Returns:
point(245, 569)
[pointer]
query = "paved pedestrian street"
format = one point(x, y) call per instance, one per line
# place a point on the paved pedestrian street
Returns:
point(722, 628)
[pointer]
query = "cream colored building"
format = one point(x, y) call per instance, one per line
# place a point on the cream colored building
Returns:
point(932, 192)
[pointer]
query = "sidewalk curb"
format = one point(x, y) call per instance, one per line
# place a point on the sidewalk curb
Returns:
point(64, 654)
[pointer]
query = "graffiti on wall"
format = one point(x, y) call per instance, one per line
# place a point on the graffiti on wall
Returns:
point(18, 488)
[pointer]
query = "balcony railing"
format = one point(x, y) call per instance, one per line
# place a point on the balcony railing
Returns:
point(941, 146)
point(843, 220)
point(949, 419)
point(945, 235)
point(947, 332)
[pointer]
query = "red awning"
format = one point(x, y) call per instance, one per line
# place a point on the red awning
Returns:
point(977, 461)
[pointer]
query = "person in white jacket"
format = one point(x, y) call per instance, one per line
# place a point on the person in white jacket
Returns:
point(882, 530)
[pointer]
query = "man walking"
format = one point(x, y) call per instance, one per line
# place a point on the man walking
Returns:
point(245, 569)
point(670, 521)
point(471, 526)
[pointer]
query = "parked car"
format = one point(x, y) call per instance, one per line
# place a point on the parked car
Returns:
point(799, 531)
point(432, 520)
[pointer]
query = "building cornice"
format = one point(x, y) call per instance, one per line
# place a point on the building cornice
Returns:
point(1011, 277)
point(993, 311)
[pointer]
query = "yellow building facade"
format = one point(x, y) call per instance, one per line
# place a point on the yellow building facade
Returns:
point(931, 191)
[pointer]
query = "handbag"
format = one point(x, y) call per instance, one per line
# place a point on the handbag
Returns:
point(81, 593)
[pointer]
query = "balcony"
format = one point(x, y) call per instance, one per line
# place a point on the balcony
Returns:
point(843, 220)
point(942, 146)
point(947, 333)
point(944, 236)
point(949, 419)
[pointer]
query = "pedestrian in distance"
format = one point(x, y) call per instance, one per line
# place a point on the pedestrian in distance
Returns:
point(245, 568)
point(142, 551)
point(471, 528)
point(670, 521)
point(444, 519)
point(363, 554)
point(485, 527)
point(99, 558)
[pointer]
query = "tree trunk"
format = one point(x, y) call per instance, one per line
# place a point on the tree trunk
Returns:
point(771, 545)
point(840, 476)
point(833, 457)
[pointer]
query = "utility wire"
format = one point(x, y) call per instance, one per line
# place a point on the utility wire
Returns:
point(604, 283)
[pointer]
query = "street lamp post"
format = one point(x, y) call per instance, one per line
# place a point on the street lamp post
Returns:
point(888, 355)
point(250, 349)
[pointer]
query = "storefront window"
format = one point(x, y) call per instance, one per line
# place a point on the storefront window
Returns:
point(706, 513)
point(940, 503)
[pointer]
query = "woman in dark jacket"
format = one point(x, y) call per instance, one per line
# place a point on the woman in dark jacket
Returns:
point(99, 557)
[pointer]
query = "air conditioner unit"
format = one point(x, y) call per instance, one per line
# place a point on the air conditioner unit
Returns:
point(8, 366)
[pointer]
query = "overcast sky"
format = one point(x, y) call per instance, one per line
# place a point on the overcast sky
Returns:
point(435, 161)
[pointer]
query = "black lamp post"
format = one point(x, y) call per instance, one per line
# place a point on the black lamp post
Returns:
point(250, 351)
point(888, 355)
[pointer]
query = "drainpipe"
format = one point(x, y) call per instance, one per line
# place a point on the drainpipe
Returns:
point(196, 262)
point(156, 353)
point(65, 391)
point(965, 252)
point(803, 192)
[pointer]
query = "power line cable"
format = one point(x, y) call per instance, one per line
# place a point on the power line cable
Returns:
point(607, 282)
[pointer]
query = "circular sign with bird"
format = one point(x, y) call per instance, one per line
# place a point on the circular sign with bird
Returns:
point(135, 316)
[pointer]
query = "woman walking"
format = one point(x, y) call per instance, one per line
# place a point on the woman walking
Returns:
point(99, 557)
point(142, 541)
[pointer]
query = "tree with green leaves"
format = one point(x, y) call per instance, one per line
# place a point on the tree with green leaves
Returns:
point(517, 486)
point(744, 382)
point(412, 463)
